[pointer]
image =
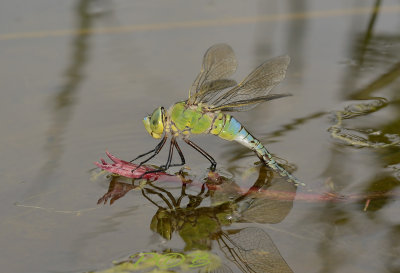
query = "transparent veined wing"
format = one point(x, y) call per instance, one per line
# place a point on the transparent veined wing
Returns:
point(219, 62)
point(252, 250)
point(244, 105)
point(210, 90)
point(254, 88)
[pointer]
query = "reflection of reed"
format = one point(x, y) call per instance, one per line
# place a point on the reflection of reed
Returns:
point(372, 49)
point(369, 32)
point(380, 82)
point(368, 50)
point(65, 99)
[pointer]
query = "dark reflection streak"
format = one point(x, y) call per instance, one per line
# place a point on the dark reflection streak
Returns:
point(296, 36)
point(360, 50)
point(293, 125)
point(382, 81)
point(63, 102)
point(330, 213)
point(369, 31)
point(366, 53)
point(264, 34)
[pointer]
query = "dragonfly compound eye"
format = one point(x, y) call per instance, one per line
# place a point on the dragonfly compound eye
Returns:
point(157, 121)
point(147, 125)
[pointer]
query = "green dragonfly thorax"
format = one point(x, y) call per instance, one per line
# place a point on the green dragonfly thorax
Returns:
point(197, 119)
point(187, 120)
point(182, 119)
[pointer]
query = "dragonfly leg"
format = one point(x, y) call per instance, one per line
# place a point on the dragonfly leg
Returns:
point(180, 155)
point(204, 153)
point(155, 151)
point(142, 155)
point(168, 164)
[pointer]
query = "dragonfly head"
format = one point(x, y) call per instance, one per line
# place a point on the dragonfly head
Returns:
point(154, 124)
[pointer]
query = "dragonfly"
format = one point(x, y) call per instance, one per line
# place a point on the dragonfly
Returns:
point(211, 96)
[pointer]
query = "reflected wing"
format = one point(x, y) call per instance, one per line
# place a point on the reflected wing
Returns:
point(252, 250)
point(254, 88)
point(261, 201)
point(219, 62)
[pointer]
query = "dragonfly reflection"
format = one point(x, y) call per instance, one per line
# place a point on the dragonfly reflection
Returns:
point(202, 218)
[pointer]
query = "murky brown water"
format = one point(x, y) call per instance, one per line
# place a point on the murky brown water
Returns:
point(77, 77)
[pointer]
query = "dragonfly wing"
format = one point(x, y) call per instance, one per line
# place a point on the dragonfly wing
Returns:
point(219, 62)
point(210, 90)
point(244, 105)
point(254, 88)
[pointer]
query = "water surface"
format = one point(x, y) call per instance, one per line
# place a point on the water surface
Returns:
point(77, 78)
